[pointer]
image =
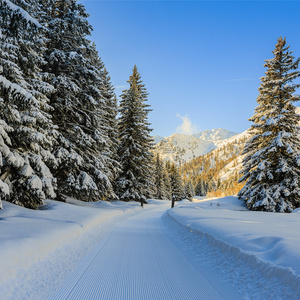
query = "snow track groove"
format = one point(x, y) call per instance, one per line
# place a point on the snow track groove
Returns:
point(137, 261)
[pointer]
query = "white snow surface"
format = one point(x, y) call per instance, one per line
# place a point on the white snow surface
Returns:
point(268, 243)
point(51, 239)
point(209, 249)
point(139, 260)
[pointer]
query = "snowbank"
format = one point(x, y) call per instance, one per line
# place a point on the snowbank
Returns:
point(269, 242)
point(28, 236)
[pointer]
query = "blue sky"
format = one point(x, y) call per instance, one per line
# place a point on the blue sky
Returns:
point(201, 61)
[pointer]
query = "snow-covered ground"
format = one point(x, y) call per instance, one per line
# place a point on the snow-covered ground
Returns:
point(258, 252)
point(40, 248)
point(210, 249)
point(137, 261)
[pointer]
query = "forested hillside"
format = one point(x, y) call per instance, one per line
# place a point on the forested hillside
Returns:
point(217, 172)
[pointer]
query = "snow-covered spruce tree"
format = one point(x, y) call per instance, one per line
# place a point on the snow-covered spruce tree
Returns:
point(79, 104)
point(271, 167)
point(160, 179)
point(26, 130)
point(135, 182)
point(201, 189)
point(107, 123)
point(176, 182)
point(110, 126)
point(167, 184)
point(189, 192)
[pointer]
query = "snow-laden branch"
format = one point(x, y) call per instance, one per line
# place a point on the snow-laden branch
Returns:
point(18, 9)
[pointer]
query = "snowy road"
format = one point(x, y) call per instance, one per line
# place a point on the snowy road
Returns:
point(138, 260)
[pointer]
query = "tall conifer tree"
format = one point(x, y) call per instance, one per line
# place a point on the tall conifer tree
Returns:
point(189, 192)
point(79, 103)
point(272, 155)
point(176, 182)
point(161, 186)
point(135, 181)
point(27, 134)
point(111, 125)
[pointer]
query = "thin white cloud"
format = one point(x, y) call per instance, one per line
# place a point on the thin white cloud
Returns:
point(187, 127)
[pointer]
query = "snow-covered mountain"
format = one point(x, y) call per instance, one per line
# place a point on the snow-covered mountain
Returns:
point(217, 134)
point(180, 148)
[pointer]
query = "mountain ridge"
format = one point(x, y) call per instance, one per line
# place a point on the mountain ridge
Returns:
point(180, 148)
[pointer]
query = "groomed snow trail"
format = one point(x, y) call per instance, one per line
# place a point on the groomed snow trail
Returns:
point(138, 261)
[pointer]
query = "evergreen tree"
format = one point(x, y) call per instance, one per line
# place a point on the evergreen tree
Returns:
point(212, 185)
point(27, 133)
point(167, 184)
point(176, 182)
point(189, 192)
point(79, 103)
point(111, 126)
point(160, 180)
point(271, 164)
point(136, 179)
point(200, 189)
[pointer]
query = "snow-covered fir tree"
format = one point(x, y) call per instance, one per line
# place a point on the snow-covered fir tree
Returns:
point(167, 184)
point(177, 192)
point(189, 192)
point(161, 179)
point(272, 157)
point(110, 125)
point(201, 188)
point(79, 104)
point(27, 134)
point(136, 180)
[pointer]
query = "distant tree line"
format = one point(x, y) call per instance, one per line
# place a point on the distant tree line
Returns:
point(168, 183)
